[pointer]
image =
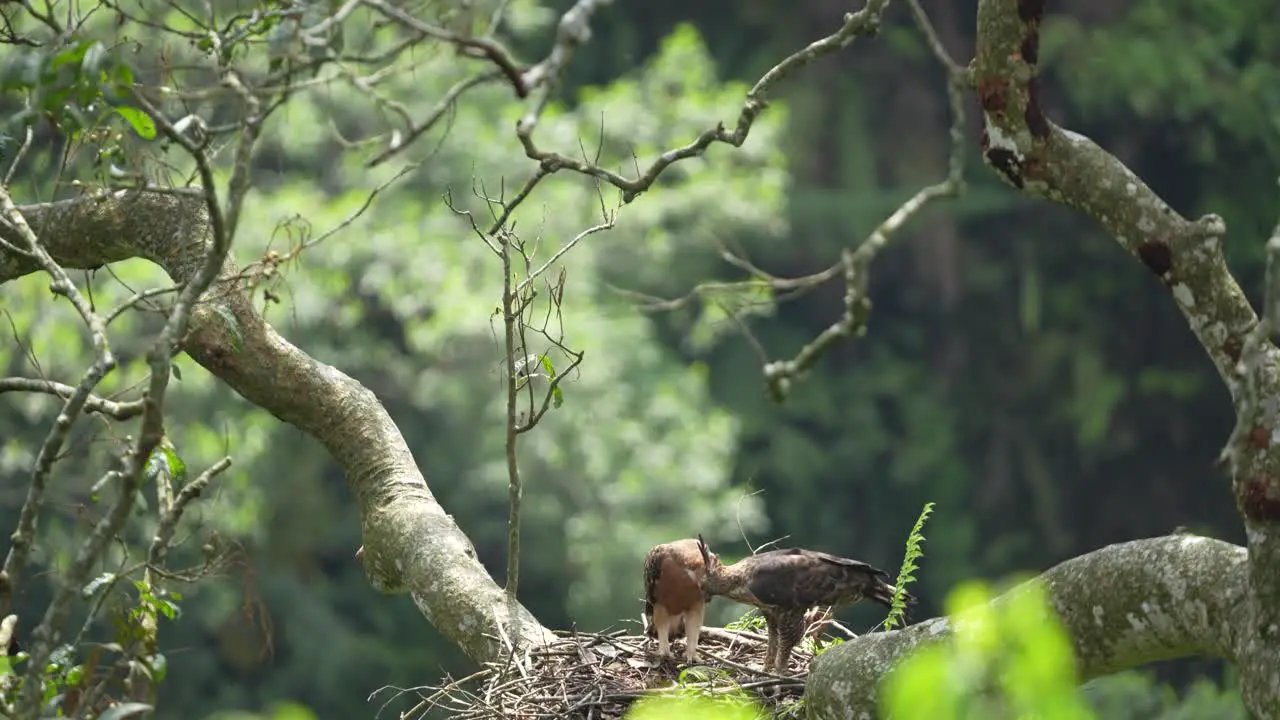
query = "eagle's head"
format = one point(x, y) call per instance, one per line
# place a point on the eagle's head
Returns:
point(710, 561)
point(713, 570)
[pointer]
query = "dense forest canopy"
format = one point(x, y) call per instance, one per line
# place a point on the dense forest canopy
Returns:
point(1004, 257)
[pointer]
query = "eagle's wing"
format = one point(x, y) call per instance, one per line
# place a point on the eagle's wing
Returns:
point(785, 579)
point(652, 568)
point(798, 578)
point(857, 565)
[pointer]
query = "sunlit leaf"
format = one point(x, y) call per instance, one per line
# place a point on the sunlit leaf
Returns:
point(141, 122)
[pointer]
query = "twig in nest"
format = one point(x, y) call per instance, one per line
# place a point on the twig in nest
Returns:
point(587, 675)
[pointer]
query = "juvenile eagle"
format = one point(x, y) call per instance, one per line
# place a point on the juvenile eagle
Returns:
point(673, 592)
point(785, 584)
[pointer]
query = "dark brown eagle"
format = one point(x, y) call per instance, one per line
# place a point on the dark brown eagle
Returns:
point(785, 584)
point(674, 598)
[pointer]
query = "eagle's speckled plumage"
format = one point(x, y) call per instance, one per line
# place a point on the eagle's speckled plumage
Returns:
point(785, 584)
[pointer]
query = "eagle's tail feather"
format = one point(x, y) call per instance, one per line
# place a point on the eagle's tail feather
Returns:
point(882, 592)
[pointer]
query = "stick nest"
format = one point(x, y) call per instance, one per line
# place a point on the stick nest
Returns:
point(600, 676)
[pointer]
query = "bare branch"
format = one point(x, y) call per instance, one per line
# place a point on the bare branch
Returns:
point(449, 100)
point(474, 47)
point(608, 224)
point(857, 306)
point(780, 374)
point(864, 22)
point(93, 403)
point(512, 313)
point(172, 514)
point(23, 538)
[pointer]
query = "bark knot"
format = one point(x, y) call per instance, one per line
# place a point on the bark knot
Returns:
point(1260, 500)
point(1158, 258)
point(1259, 438)
point(1006, 163)
point(991, 95)
point(1232, 347)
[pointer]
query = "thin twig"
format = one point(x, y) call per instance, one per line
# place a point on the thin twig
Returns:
point(93, 403)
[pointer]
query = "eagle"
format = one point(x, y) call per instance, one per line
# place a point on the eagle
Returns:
point(674, 597)
point(786, 584)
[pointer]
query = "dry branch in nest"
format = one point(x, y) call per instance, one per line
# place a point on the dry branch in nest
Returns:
point(600, 676)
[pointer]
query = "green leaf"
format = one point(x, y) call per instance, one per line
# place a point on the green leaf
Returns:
point(546, 365)
point(165, 458)
point(122, 75)
point(141, 122)
point(177, 468)
point(168, 609)
point(557, 397)
point(72, 55)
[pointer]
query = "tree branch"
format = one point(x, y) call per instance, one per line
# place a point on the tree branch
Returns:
point(865, 22)
point(410, 543)
point(1036, 156)
point(1043, 160)
point(92, 403)
point(1123, 606)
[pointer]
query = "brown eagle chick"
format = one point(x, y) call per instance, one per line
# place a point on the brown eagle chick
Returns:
point(673, 594)
point(785, 584)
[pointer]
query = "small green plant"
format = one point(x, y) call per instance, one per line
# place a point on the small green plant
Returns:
point(907, 573)
point(153, 605)
point(1004, 659)
point(817, 645)
point(751, 621)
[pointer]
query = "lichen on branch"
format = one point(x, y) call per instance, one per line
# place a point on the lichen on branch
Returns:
point(1123, 606)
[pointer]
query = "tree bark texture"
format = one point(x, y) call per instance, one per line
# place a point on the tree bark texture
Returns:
point(1123, 606)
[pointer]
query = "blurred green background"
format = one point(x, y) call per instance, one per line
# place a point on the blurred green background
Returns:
point(1020, 370)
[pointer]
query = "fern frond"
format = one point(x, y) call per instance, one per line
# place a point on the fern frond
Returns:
point(906, 574)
